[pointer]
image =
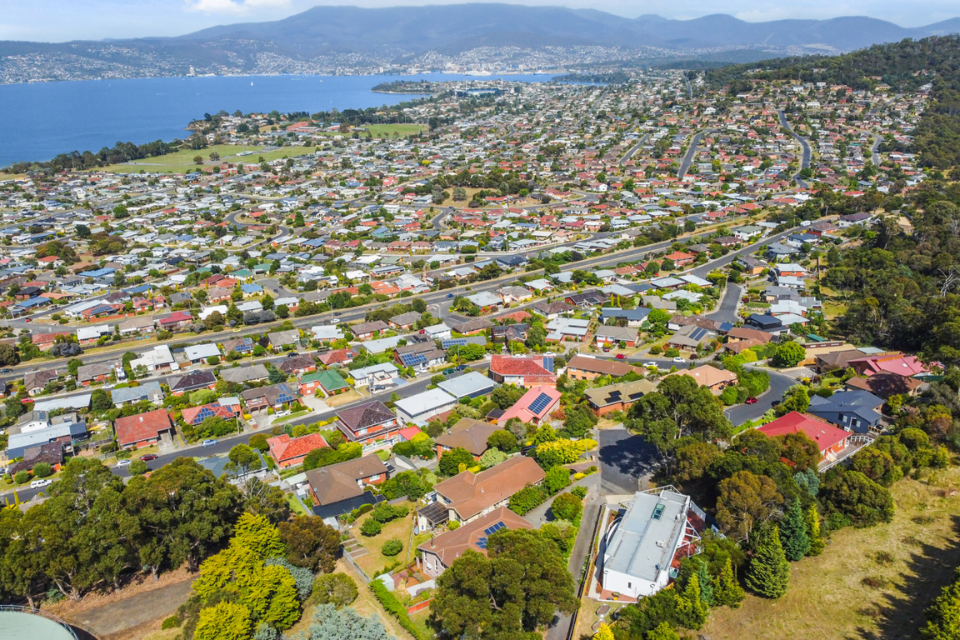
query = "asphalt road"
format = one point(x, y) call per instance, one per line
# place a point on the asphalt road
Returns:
point(874, 155)
point(726, 311)
point(625, 460)
point(778, 384)
point(691, 153)
point(634, 149)
point(807, 153)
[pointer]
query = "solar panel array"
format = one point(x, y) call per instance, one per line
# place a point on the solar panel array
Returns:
point(482, 543)
point(548, 363)
point(490, 530)
point(454, 342)
point(540, 403)
point(204, 413)
point(411, 359)
point(285, 397)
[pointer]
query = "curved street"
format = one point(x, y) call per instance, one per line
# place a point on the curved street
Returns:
point(807, 152)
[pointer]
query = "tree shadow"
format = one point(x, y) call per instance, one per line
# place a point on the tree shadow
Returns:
point(900, 614)
point(625, 459)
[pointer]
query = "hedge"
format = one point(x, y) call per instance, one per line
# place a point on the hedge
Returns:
point(397, 610)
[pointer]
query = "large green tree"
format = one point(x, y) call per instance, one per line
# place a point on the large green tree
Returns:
point(793, 533)
point(310, 543)
point(517, 588)
point(769, 571)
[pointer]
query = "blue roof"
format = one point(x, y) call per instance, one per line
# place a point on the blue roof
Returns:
point(251, 288)
point(97, 273)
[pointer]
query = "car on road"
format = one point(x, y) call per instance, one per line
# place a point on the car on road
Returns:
point(651, 364)
point(679, 359)
point(461, 367)
point(28, 319)
point(449, 295)
point(448, 372)
point(6, 370)
point(751, 400)
point(26, 401)
point(337, 313)
point(208, 443)
point(620, 356)
point(124, 463)
point(149, 457)
point(39, 484)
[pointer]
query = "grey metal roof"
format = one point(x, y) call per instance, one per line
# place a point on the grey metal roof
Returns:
point(145, 391)
point(642, 545)
point(469, 384)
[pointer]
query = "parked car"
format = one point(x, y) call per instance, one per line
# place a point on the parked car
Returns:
point(620, 356)
point(149, 457)
point(6, 370)
point(461, 367)
point(124, 463)
point(208, 443)
point(448, 372)
point(449, 296)
point(678, 359)
point(751, 400)
point(39, 484)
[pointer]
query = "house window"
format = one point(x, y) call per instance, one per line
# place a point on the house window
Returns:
point(629, 585)
point(361, 432)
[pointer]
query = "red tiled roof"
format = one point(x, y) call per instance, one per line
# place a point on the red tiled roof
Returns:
point(824, 434)
point(523, 410)
point(514, 366)
point(283, 447)
point(190, 414)
point(141, 427)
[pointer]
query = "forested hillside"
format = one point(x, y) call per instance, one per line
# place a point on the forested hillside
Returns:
point(906, 65)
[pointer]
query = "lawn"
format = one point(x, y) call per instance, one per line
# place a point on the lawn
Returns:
point(402, 130)
point(828, 595)
point(295, 505)
point(182, 161)
point(374, 561)
point(295, 414)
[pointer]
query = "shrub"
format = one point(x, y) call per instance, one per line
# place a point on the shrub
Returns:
point(171, 623)
point(391, 547)
point(527, 499)
point(580, 492)
point(557, 479)
point(337, 589)
point(567, 506)
point(453, 525)
point(384, 513)
point(370, 527)
point(42, 470)
point(21, 477)
point(397, 610)
point(656, 350)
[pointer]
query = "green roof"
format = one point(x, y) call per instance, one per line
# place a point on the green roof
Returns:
point(329, 380)
point(243, 273)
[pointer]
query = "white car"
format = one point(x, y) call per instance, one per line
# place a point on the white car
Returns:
point(651, 365)
point(124, 463)
point(678, 359)
point(39, 484)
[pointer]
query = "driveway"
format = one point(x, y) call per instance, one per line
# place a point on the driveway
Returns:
point(625, 460)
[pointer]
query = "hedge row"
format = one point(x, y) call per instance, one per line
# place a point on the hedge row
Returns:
point(397, 610)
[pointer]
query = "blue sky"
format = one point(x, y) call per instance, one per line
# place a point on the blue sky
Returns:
point(62, 20)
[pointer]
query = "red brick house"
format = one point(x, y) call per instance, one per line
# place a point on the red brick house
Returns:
point(289, 452)
point(829, 438)
point(176, 320)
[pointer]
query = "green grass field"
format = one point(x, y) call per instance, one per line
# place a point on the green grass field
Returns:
point(182, 161)
point(402, 130)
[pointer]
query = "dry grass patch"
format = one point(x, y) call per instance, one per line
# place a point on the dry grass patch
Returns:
point(343, 398)
point(869, 583)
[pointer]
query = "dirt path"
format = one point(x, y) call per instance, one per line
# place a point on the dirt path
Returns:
point(134, 611)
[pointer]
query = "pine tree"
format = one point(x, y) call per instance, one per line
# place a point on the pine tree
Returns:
point(691, 610)
point(706, 585)
point(727, 592)
point(793, 533)
point(813, 532)
point(943, 617)
point(769, 572)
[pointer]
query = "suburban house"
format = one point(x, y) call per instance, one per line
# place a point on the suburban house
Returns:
point(898, 363)
point(191, 382)
point(280, 339)
point(617, 397)
point(35, 381)
point(246, 373)
point(274, 395)
point(98, 372)
point(160, 358)
point(420, 408)
point(645, 544)
point(884, 385)
point(468, 434)
point(371, 424)
point(196, 415)
point(829, 438)
point(337, 356)
point(289, 452)
point(439, 553)
point(136, 324)
point(587, 368)
point(365, 330)
point(615, 335)
point(36, 429)
point(404, 320)
point(144, 429)
point(852, 410)
point(523, 371)
point(339, 488)
point(468, 496)
point(297, 365)
point(710, 377)
point(149, 390)
point(176, 320)
point(534, 407)
point(471, 384)
point(200, 353)
point(327, 381)
point(238, 345)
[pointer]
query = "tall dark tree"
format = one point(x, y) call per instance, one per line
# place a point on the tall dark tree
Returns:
point(769, 571)
point(793, 533)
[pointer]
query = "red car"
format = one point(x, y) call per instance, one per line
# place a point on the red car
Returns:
point(751, 401)
point(620, 356)
point(149, 457)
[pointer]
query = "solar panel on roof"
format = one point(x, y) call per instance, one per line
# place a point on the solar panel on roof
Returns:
point(492, 529)
point(548, 364)
point(455, 342)
point(410, 359)
point(482, 543)
point(540, 403)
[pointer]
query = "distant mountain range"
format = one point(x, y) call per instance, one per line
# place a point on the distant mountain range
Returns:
point(349, 38)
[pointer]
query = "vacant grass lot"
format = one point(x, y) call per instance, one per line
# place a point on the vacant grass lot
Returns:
point(182, 161)
point(869, 583)
point(374, 561)
point(387, 130)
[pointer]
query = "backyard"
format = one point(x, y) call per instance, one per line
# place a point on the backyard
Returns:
point(374, 561)
point(869, 583)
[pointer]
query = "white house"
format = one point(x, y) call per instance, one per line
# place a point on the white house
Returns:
point(641, 544)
